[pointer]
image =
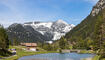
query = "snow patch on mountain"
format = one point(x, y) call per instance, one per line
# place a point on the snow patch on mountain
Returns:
point(57, 35)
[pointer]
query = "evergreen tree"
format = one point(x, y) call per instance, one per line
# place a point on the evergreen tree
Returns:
point(4, 42)
point(63, 44)
point(15, 41)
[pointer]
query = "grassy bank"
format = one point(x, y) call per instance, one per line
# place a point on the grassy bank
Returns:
point(21, 53)
point(86, 52)
point(96, 57)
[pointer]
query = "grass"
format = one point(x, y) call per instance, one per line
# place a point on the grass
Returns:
point(86, 52)
point(96, 57)
point(21, 53)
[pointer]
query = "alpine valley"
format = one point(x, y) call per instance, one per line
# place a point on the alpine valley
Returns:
point(38, 31)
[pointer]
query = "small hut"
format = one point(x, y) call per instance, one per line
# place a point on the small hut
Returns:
point(30, 46)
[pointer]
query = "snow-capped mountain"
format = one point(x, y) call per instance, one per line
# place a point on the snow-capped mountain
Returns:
point(51, 30)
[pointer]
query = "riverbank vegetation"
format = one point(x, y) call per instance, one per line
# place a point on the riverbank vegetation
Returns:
point(21, 53)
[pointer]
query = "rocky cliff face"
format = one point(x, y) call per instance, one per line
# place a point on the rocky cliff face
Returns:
point(98, 7)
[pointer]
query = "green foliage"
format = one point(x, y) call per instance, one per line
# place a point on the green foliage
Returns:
point(98, 34)
point(48, 47)
point(63, 44)
point(71, 47)
point(86, 52)
point(15, 42)
point(96, 57)
point(4, 42)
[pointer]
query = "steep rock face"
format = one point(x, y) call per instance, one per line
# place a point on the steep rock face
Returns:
point(60, 28)
point(98, 7)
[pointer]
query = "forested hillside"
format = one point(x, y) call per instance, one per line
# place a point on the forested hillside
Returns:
point(90, 33)
point(86, 30)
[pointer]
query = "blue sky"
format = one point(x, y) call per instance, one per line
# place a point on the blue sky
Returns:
point(20, 11)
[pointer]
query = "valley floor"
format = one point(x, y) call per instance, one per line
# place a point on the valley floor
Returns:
point(21, 53)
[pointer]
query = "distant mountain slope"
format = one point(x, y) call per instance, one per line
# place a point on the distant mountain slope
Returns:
point(87, 27)
point(24, 34)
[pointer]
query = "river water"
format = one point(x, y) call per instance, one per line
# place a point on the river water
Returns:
point(57, 56)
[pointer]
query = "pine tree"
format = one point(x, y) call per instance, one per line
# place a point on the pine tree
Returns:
point(4, 42)
point(15, 41)
point(63, 44)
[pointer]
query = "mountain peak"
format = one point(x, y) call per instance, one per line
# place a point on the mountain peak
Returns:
point(14, 25)
point(61, 21)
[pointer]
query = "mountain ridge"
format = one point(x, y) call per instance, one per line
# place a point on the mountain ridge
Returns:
point(47, 31)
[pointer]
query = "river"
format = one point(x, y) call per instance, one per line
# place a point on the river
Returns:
point(58, 56)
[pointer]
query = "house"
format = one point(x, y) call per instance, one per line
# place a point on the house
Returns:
point(30, 46)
